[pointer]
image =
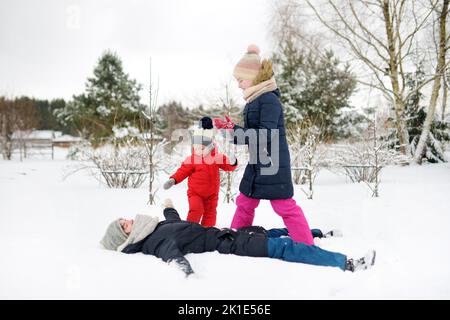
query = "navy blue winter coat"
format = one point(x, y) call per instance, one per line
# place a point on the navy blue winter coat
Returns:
point(265, 112)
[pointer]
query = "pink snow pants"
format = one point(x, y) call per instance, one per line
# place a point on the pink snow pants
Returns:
point(292, 215)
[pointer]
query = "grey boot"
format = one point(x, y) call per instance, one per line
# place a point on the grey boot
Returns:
point(363, 263)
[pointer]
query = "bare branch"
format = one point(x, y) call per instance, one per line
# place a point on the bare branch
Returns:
point(367, 31)
point(437, 74)
point(349, 41)
point(418, 26)
point(381, 88)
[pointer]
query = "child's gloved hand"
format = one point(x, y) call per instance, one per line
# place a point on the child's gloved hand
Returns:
point(169, 183)
point(223, 124)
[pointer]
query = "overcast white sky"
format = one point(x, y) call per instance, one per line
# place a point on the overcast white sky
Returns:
point(49, 47)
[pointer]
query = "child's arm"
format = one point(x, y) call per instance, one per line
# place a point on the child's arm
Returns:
point(280, 232)
point(186, 169)
point(269, 113)
point(184, 265)
point(225, 164)
point(168, 251)
point(171, 214)
point(277, 232)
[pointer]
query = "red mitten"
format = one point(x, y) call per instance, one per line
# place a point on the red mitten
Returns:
point(223, 124)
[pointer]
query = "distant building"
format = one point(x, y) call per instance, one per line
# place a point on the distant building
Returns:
point(42, 138)
point(41, 141)
point(36, 137)
point(65, 141)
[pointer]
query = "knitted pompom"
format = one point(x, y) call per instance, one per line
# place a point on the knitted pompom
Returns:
point(205, 123)
point(253, 48)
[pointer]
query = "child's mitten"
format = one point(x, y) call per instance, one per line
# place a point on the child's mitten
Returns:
point(223, 124)
point(169, 183)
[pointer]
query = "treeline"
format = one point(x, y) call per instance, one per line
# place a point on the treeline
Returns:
point(39, 114)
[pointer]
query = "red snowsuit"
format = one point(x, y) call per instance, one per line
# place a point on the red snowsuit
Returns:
point(203, 184)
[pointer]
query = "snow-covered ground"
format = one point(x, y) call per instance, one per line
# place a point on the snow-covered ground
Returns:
point(50, 229)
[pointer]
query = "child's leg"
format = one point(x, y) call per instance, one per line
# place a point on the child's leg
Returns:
point(288, 250)
point(277, 232)
point(245, 211)
point(209, 217)
point(196, 208)
point(294, 220)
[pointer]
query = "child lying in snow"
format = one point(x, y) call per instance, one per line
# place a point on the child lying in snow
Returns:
point(173, 238)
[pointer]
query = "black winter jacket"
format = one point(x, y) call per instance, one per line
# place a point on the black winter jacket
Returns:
point(174, 238)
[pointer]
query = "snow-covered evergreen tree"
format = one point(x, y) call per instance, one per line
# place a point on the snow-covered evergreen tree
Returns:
point(313, 86)
point(415, 115)
point(111, 101)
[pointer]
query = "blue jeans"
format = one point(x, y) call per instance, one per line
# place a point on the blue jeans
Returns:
point(288, 250)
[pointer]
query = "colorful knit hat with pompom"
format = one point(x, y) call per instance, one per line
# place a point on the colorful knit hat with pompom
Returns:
point(249, 66)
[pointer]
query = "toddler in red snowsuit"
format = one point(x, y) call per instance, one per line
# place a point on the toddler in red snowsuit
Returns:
point(202, 170)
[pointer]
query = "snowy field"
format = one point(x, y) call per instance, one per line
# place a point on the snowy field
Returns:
point(50, 229)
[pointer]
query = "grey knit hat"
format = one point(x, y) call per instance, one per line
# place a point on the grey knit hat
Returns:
point(114, 236)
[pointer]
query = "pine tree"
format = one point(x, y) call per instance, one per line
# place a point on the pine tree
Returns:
point(47, 110)
point(415, 116)
point(172, 116)
point(314, 87)
point(110, 103)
